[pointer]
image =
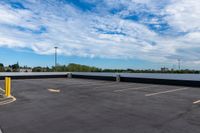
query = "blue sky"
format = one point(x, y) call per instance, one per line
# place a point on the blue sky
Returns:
point(146, 34)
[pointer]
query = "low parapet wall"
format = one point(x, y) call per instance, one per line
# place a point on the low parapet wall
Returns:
point(189, 83)
point(108, 78)
point(36, 75)
point(165, 79)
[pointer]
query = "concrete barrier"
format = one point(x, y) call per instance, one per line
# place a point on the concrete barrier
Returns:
point(118, 79)
point(165, 79)
point(186, 81)
point(108, 78)
point(36, 75)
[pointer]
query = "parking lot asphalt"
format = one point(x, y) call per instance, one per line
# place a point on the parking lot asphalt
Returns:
point(94, 106)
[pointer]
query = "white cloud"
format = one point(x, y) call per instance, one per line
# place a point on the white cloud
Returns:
point(183, 15)
point(91, 34)
point(14, 17)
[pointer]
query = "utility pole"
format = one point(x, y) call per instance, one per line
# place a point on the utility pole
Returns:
point(55, 56)
point(179, 64)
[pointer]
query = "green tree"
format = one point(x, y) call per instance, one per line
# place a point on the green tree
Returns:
point(15, 67)
point(2, 67)
point(81, 68)
point(37, 69)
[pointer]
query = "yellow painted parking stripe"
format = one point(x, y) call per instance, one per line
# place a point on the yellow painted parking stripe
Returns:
point(163, 92)
point(196, 102)
point(54, 90)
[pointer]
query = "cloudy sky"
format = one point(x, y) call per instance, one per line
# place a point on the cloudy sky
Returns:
point(103, 33)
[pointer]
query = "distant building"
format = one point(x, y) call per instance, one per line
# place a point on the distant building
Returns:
point(8, 69)
point(164, 69)
point(25, 70)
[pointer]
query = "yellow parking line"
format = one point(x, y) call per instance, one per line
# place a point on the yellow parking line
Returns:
point(54, 90)
point(163, 92)
point(196, 102)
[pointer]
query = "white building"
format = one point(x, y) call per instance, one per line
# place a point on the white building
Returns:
point(25, 70)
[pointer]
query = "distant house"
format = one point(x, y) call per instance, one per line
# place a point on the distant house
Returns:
point(8, 69)
point(164, 69)
point(25, 70)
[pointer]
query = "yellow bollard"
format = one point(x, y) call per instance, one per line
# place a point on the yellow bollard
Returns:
point(7, 86)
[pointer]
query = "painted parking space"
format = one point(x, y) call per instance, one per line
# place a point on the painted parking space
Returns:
point(93, 106)
point(169, 91)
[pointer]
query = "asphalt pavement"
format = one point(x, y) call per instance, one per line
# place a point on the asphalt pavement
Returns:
point(63, 105)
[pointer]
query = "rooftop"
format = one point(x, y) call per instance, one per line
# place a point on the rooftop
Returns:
point(63, 105)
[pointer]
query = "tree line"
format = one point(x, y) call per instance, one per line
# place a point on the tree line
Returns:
point(10, 68)
point(72, 67)
point(67, 68)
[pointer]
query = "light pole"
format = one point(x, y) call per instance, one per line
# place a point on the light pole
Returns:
point(179, 64)
point(55, 56)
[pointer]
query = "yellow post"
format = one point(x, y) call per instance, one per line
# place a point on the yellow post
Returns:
point(7, 86)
